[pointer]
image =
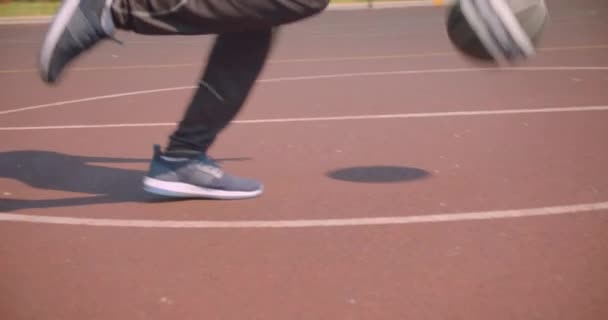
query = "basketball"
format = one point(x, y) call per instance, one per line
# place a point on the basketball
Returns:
point(497, 31)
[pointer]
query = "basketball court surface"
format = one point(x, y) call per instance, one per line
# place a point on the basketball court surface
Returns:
point(402, 181)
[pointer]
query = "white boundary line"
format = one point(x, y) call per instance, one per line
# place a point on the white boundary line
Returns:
point(321, 77)
point(316, 223)
point(95, 98)
point(395, 56)
point(337, 118)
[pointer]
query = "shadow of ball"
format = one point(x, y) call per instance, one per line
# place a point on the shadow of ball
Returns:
point(378, 174)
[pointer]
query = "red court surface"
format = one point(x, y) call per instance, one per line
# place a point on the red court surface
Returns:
point(402, 181)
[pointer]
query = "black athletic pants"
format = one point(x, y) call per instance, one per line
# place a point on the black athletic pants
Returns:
point(244, 30)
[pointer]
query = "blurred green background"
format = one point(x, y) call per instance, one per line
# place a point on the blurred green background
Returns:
point(11, 8)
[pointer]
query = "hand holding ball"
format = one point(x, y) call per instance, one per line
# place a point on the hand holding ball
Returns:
point(500, 31)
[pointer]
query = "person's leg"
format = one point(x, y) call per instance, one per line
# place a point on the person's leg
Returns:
point(241, 49)
point(80, 25)
point(184, 169)
point(234, 65)
point(197, 17)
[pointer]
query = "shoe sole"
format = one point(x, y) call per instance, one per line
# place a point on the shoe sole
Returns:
point(184, 190)
point(58, 26)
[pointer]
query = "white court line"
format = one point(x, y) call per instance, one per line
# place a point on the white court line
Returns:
point(338, 118)
point(108, 96)
point(314, 223)
point(321, 77)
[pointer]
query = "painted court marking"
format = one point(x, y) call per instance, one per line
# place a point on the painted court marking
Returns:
point(300, 60)
point(321, 77)
point(314, 223)
point(338, 118)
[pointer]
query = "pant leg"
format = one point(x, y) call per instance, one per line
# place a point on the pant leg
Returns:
point(235, 63)
point(195, 17)
point(239, 54)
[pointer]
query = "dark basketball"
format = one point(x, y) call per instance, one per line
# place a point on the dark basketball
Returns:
point(462, 35)
point(493, 30)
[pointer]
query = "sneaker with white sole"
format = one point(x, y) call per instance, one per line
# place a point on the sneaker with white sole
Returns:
point(77, 26)
point(195, 177)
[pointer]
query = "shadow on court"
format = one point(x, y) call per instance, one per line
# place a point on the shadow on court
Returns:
point(47, 170)
point(378, 174)
point(99, 183)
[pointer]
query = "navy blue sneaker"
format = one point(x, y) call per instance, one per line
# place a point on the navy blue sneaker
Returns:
point(195, 177)
point(78, 26)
